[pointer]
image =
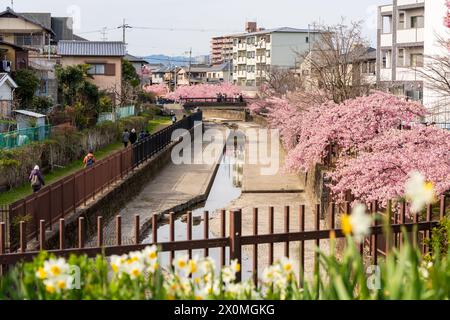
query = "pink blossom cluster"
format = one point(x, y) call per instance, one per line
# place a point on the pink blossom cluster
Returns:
point(380, 171)
point(159, 90)
point(204, 91)
point(447, 15)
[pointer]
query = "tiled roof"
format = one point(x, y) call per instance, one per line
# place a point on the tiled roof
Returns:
point(91, 48)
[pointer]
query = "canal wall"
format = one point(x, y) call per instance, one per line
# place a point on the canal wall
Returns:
point(232, 115)
point(108, 204)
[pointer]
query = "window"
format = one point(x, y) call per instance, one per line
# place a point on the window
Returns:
point(28, 40)
point(251, 54)
point(387, 24)
point(268, 38)
point(307, 39)
point(97, 69)
point(401, 21)
point(416, 60)
point(401, 57)
point(417, 22)
point(268, 53)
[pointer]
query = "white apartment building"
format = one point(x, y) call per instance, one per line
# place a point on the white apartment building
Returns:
point(256, 53)
point(408, 32)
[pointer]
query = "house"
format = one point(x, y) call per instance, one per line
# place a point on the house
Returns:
point(194, 74)
point(7, 87)
point(13, 57)
point(220, 73)
point(409, 33)
point(104, 57)
point(142, 68)
point(37, 32)
point(256, 53)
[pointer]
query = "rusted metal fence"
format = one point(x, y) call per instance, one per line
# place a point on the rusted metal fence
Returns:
point(232, 245)
point(58, 199)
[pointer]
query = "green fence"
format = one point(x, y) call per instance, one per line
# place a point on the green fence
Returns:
point(13, 139)
point(122, 112)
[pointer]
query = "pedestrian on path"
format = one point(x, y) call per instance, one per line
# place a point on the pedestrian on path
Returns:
point(36, 178)
point(133, 136)
point(125, 138)
point(142, 135)
point(174, 119)
point(89, 160)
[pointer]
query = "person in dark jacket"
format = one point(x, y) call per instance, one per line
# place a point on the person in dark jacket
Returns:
point(37, 179)
point(133, 136)
point(142, 135)
point(126, 138)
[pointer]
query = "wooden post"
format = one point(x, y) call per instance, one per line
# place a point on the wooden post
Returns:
point(235, 238)
point(62, 244)
point(23, 236)
point(99, 231)
point(80, 232)
point(42, 235)
point(137, 232)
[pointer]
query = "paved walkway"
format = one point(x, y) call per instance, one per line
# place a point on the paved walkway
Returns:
point(175, 188)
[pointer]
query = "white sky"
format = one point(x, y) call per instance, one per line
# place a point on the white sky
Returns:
point(187, 17)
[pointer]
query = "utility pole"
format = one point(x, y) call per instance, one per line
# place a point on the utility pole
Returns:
point(190, 65)
point(104, 34)
point(124, 28)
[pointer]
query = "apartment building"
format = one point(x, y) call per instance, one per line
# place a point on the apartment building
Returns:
point(222, 47)
point(256, 53)
point(408, 33)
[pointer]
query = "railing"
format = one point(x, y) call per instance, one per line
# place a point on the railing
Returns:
point(231, 245)
point(55, 201)
point(13, 139)
point(216, 101)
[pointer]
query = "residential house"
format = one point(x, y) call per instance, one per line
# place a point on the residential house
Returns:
point(256, 53)
point(142, 68)
point(39, 32)
point(7, 87)
point(158, 74)
point(13, 57)
point(220, 73)
point(104, 57)
point(191, 75)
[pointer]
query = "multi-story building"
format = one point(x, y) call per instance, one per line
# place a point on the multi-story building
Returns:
point(221, 50)
point(408, 34)
point(256, 53)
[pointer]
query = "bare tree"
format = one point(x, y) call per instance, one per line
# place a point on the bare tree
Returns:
point(333, 63)
point(281, 81)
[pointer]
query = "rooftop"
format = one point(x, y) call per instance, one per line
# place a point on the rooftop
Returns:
point(91, 48)
point(277, 30)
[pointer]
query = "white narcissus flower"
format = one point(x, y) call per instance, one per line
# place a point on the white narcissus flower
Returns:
point(134, 268)
point(420, 192)
point(117, 263)
point(358, 223)
point(181, 263)
point(150, 254)
point(228, 274)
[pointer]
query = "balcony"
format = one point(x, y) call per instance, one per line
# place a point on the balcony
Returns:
point(386, 40)
point(409, 2)
point(410, 36)
point(261, 59)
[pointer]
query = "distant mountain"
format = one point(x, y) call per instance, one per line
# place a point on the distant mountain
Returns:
point(175, 60)
point(168, 60)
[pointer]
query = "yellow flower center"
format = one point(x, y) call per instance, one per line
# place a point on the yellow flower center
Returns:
point(287, 267)
point(115, 267)
point(429, 186)
point(135, 272)
point(152, 255)
point(50, 288)
point(41, 273)
point(55, 270)
point(61, 284)
point(346, 225)
point(192, 266)
point(237, 267)
point(181, 264)
point(198, 298)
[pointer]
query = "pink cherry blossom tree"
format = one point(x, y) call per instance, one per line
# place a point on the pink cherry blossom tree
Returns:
point(204, 91)
point(159, 90)
point(380, 171)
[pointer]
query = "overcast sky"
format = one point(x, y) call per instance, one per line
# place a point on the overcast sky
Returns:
point(194, 22)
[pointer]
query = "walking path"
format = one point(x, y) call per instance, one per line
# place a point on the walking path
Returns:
point(175, 188)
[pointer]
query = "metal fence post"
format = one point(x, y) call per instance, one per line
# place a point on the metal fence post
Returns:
point(235, 238)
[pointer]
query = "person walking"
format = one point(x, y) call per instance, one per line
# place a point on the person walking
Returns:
point(125, 138)
point(142, 135)
point(133, 136)
point(174, 119)
point(89, 160)
point(37, 179)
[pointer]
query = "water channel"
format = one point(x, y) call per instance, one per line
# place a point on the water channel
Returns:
point(225, 189)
